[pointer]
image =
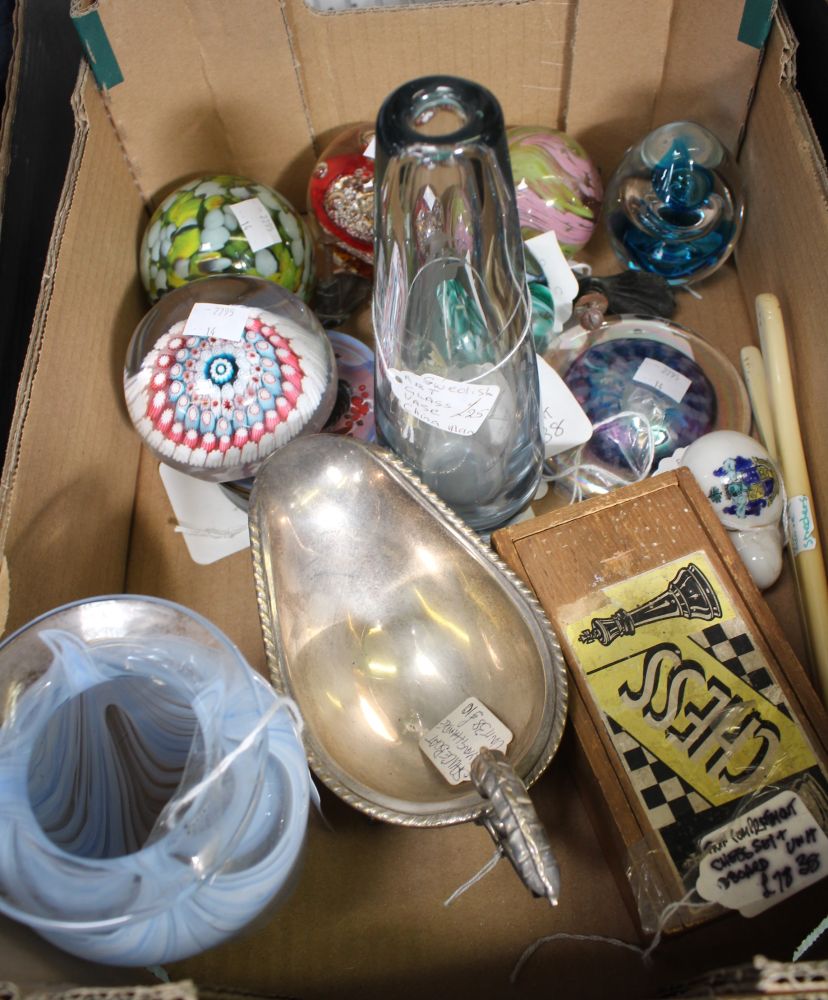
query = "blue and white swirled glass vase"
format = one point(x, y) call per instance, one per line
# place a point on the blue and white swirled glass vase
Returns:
point(153, 789)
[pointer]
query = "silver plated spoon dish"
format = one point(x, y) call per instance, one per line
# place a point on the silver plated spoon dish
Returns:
point(383, 612)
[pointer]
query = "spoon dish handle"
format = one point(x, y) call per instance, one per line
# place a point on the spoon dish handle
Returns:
point(514, 826)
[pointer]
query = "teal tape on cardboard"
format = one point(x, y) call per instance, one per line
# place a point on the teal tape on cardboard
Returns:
point(98, 50)
point(756, 21)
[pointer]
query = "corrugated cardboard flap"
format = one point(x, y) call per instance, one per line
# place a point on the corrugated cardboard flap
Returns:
point(67, 488)
point(784, 245)
point(259, 87)
point(206, 87)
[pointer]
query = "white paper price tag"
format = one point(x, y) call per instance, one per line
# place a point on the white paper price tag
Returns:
point(801, 524)
point(562, 282)
point(457, 407)
point(660, 376)
point(564, 424)
point(256, 224)
point(210, 319)
point(370, 151)
point(455, 741)
point(212, 525)
point(770, 853)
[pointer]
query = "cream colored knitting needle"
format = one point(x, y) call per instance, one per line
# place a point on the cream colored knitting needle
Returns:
point(803, 533)
point(753, 370)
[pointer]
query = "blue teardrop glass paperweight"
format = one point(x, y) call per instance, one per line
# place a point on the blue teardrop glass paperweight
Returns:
point(674, 205)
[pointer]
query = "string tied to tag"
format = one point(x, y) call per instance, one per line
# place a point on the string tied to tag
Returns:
point(477, 877)
point(811, 939)
point(644, 952)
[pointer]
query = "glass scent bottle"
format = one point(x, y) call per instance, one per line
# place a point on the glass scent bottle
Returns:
point(456, 391)
point(674, 206)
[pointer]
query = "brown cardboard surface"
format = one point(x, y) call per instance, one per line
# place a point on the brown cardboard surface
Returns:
point(32, 965)
point(10, 86)
point(367, 919)
point(613, 88)
point(350, 61)
point(159, 564)
point(708, 75)
point(69, 477)
point(637, 65)
point(223, 74)
point(784, 248)
point(574, 65)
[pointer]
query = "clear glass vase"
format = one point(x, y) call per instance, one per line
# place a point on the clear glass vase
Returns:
point(456, 390)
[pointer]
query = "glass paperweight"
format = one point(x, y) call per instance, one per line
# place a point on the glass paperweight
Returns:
point(558, 186)
point(649, 387)
point(222, 224)
point(353, 411)
point(341, 199)
point(674, 206)
point(545, 329)
point(222, 372)
point(456, 380)
point(341, 219)
point(153, 790)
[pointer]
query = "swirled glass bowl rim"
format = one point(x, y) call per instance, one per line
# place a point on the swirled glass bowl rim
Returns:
point(36, 832)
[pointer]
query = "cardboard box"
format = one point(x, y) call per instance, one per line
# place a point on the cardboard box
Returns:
point(258, 87)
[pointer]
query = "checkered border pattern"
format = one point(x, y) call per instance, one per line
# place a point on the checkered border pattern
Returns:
point(731, 644)
point(667, 797)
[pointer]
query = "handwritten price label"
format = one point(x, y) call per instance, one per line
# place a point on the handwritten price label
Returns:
point(455, 741)
point(456, 407)
point(770, 853)
point(801, 524)
point(256, 224)
point(209, 319)
point(662, 377)
point(564, 424)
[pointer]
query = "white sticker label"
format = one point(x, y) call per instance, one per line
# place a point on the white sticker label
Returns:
point(801, 524)
point(453, 743)
point(564, 424)
point(429, 197)
point(765, 856)
point(457, 407)
point(371, 149)
point(256, 224)
point(210, 319)
point(563, 284)
point(212, 525)
point(662, 377)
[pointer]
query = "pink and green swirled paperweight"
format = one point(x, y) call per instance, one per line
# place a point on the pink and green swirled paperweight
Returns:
point(558, 186)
